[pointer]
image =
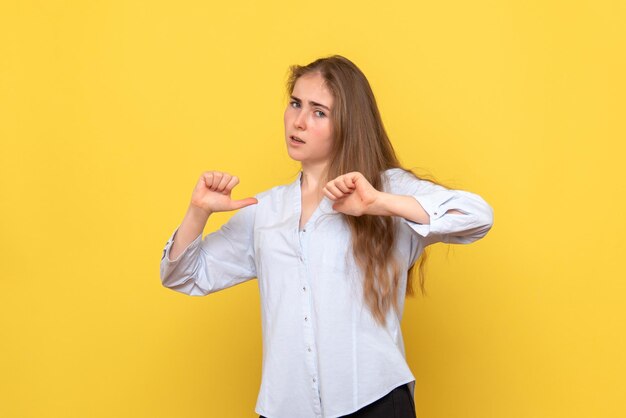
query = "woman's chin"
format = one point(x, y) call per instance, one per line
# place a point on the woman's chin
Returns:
point(294, 155)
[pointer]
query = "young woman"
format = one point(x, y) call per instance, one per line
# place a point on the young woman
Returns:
point(332, 251)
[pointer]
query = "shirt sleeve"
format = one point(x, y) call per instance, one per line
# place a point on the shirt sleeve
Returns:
point(451, 228)
point(223, 259)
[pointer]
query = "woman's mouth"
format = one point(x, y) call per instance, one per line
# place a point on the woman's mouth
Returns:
point(295, 139)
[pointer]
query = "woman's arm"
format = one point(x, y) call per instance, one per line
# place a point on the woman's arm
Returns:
point(454, 216)
point(211, 194)
point(407, 207)
point(192, 226)
point(224, 258)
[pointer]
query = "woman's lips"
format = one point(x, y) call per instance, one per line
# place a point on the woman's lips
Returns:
point(296, 140)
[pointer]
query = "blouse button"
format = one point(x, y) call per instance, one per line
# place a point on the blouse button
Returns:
point(309, 349)
point(304, 288)
point(306, 319)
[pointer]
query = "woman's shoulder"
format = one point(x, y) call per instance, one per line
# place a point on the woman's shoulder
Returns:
point(279, 192)
point(398, 174)
point(400, 181)
point(395, 171)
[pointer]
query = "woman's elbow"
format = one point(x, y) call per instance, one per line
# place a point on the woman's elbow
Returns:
point(186, 285)
point(484, 220)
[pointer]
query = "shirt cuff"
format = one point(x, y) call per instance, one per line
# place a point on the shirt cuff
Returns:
point(166, 251)
point(432, 204)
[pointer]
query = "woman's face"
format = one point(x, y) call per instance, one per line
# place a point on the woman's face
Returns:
point(308, 126)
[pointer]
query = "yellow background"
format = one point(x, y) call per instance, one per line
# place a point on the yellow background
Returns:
point(109, 112)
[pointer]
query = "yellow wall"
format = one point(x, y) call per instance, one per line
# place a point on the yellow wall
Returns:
point(109, 111)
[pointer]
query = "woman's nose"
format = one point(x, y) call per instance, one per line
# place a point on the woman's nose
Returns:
point(300, 120)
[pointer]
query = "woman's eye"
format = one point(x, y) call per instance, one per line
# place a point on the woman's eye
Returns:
point(320, 113)
point(293, 103)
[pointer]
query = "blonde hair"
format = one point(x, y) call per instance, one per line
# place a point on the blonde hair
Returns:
point(361, 144)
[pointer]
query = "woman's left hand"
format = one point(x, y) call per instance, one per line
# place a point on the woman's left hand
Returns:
point(352, 194)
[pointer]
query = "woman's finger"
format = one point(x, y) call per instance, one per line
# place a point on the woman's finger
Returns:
point(208, 178)
point(341, 184)
point(238, 204)
point(217, 177)
point(334, 190)
point(329, 194)
point(222, 184)
point(234, 180)
point(349, 182)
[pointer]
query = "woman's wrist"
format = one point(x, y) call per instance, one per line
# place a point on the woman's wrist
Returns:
point(383, 204)
point(198, 214)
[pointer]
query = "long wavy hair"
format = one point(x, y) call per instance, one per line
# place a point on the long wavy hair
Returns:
point(361, 144)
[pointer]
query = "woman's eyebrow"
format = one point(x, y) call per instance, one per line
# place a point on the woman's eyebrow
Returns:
point(311, 103)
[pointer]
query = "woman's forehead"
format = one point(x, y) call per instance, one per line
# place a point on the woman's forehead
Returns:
point(312, 87)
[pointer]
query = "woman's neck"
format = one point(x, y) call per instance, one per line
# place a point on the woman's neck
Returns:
point(314, 176)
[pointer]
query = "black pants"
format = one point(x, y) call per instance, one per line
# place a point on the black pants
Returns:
point(396, 404)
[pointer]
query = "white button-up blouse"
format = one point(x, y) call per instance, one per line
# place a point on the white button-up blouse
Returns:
point(324, 355)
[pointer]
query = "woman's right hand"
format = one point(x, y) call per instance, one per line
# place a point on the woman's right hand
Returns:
point(212, 193)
